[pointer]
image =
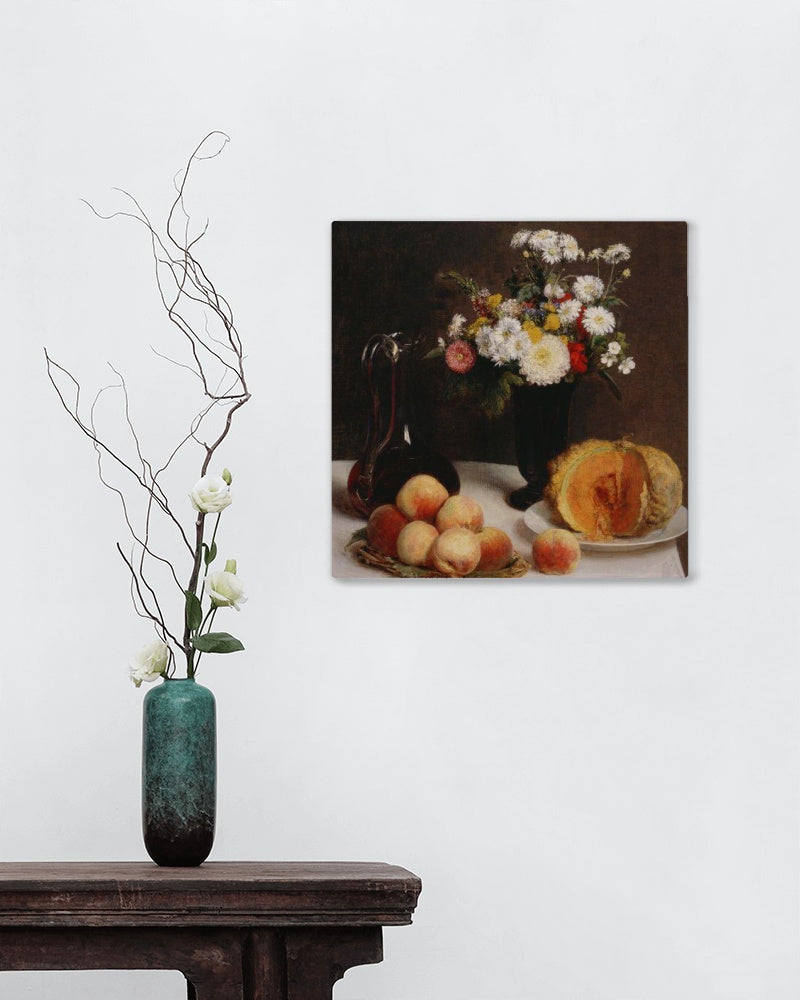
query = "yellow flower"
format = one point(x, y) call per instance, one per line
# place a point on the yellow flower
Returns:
point(473, 328)
point(494, 301)
point(552, 322)
point(549, 307)
point(534, 332)
point(564, 339)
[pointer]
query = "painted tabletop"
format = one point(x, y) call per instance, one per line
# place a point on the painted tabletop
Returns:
point(489, 484)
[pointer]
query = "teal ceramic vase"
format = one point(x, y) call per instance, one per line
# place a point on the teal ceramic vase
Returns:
point(179, 773)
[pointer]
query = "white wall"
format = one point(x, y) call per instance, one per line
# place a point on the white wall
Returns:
point(597, 784)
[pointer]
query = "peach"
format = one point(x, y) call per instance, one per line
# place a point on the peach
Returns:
point(421, 497)
point(460, 512)
point(556, 551)
point(456, 552)
point(414, 543)
point(383, 528)
point(497, 550)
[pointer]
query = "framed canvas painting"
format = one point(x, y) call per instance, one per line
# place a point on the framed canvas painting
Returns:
point(510, 400)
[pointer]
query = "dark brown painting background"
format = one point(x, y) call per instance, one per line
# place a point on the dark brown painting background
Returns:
point(385, 278)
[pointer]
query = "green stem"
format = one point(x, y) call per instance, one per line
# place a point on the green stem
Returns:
point(210, 619)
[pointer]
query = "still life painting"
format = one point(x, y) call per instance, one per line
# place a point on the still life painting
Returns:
point(510, 400)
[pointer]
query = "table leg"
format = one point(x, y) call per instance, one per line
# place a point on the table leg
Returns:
point(317, 957)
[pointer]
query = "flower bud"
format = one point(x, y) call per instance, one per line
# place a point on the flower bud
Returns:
point(226, 475)
point(230, 566)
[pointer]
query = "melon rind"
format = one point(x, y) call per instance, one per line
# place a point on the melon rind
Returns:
point(666, 487)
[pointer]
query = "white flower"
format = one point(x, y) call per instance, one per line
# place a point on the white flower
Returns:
point(545, 362)
point(456, 326)
point(569, 311)
point(588, 288)
point(553, 291)
point(225, 589)
point(626, 272)
point(550, 250)
point(149, 663)
point(210, 495)
point(598, 321)
point(613, 347)
point(505, 339)
point(440, 342)
point(483, 341)
point(535, 240)
point(595, 254)
point(510, 307)
point(627, 366)
point(608, 360)
point(569, 247)
point(520, 238)
point(617, 252)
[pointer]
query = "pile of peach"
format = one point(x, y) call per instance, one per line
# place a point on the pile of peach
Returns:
point(427, 527)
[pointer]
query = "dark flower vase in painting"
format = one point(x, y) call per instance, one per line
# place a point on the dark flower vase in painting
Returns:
point(541, 431)
point(179, 773)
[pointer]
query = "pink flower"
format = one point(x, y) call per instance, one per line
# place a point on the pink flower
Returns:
point(460, 357)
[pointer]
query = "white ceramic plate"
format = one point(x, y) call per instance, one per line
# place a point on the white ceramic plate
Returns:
point(539, 518)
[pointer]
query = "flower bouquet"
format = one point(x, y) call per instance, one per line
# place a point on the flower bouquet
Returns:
point(555, 323)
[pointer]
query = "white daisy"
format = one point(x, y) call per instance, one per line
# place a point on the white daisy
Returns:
point(595, 254)
point(569, 311)
point(617, 252)
point(569, 247)
point(535, 240)
point(553, 291)
point(588, 288)
point(504, 340)
point(545, 362)
point(550, 251)
point(456, 326)
point(598, 321)
point(520, 238)
point(627, 366)
point(510, 307)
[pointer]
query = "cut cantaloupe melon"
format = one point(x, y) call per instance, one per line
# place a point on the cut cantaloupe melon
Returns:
point(613, 489)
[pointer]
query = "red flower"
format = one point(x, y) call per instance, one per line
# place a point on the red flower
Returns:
point(577, 357)
point(460, 357)
point(584, 333)
point(565, 297)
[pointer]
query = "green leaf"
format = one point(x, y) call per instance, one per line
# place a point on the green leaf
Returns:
point(437, 352)
point(210, 553)
point(528, 291)
point(216, 642)
point(194, 611)
point(498, 393)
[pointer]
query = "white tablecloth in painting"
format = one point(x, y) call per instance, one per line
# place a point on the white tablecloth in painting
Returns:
point(489, 484)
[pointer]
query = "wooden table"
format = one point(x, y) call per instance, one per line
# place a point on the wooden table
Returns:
point(237, 931)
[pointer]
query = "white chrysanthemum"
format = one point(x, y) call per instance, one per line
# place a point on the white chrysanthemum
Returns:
point(483, 342)
point(541, 236)
point(456, 327)
point(617, 252)
point(569, 311)
point(569, 247)
point(588, 288)
point(613, 347)
point(510, 307)
point(627, 366)
point(595, 254)
point(520, 238)
point(598, 321)
point(550, 251)
point(505, 338)
point(553, 291)
point(545, 362)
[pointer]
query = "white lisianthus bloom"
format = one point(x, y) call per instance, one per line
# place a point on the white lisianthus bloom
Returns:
point(617, 252)
point(456, 326)
point(149, 663)
point(588, 288)
point(569, 311)
point(210, 495)
point(569, 247)
point(553, 291)
point(627, 366)
point(225, 589)
point(546, 361)
point(520, 238)
point(598, 321)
